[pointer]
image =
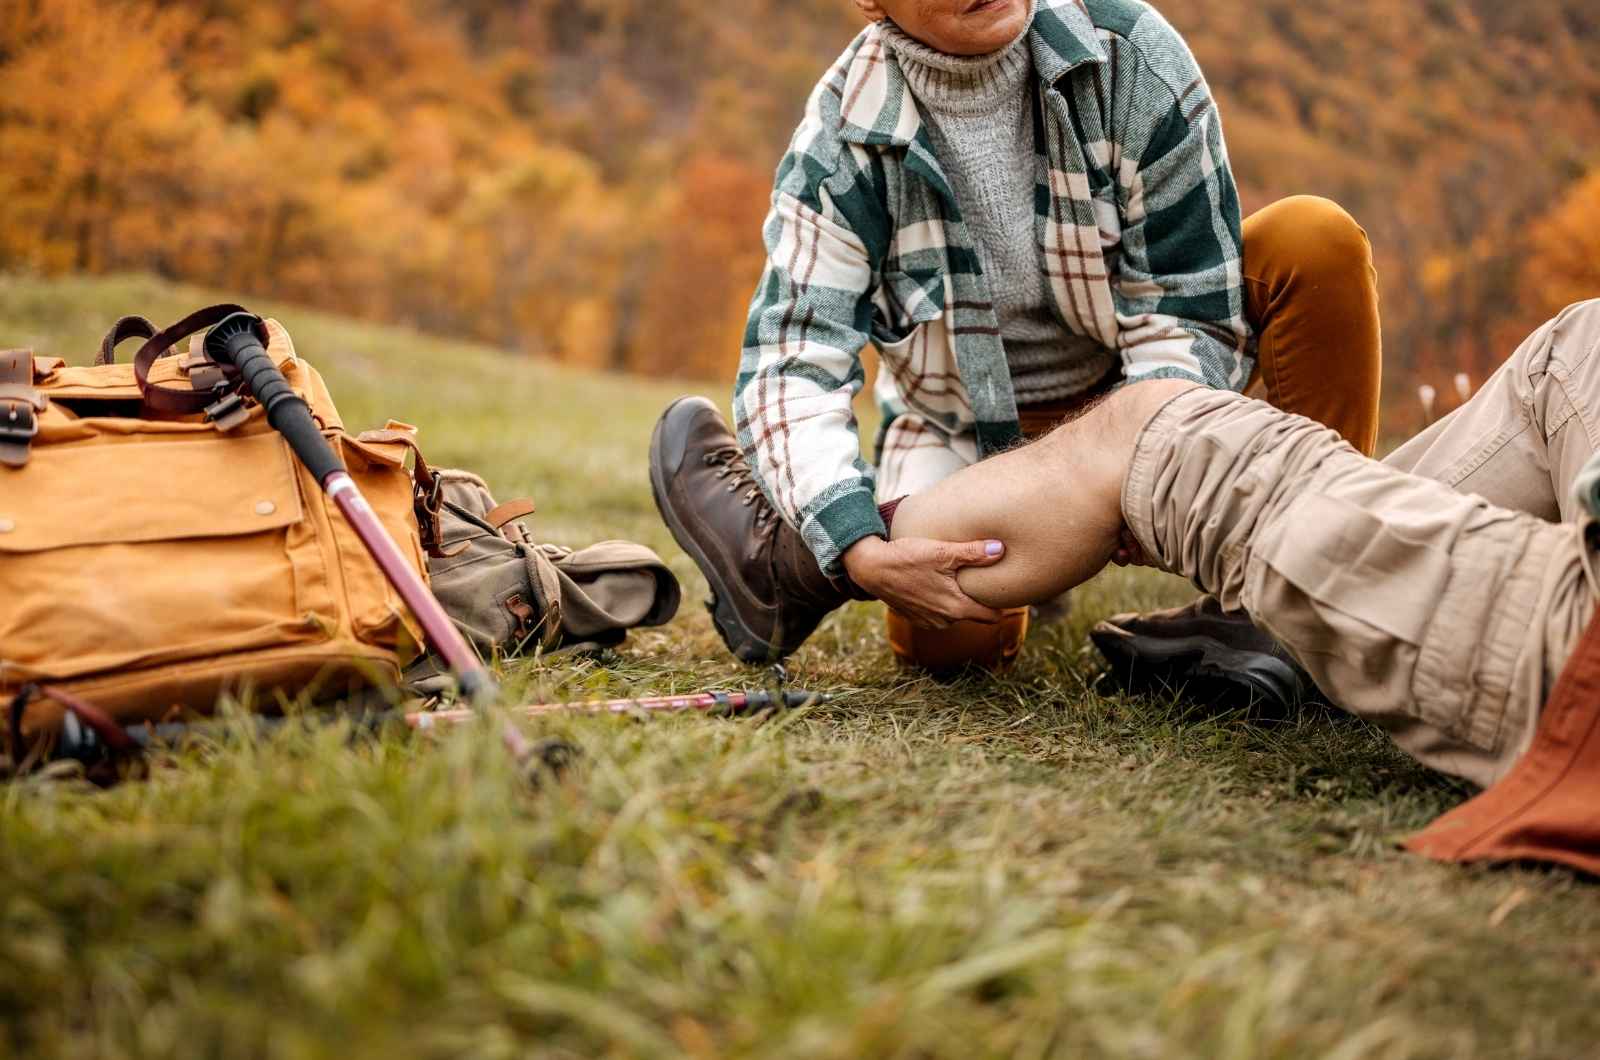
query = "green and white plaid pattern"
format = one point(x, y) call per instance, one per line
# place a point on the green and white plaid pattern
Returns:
point(1137, 225)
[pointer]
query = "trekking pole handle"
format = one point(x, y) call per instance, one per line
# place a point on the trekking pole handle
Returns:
point(239, 340)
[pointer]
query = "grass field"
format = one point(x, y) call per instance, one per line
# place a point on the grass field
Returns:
point(1015, 867)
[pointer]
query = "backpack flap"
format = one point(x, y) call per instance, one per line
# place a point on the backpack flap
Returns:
point(610, 588)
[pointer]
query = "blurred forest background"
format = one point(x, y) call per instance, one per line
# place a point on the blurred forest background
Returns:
point(587, 178)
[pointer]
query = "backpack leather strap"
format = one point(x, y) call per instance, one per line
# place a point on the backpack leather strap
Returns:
point(427, 490)
point(166, 401)
point(20, 405)
point(129, 327)
point(510, 511)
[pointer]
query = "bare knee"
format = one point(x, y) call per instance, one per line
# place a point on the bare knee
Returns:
point(1097, 447)
point(1116, 418)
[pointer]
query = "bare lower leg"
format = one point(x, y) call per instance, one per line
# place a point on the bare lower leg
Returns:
point(1056, 504)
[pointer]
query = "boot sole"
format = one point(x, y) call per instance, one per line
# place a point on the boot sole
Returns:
point(1202, 668)
point(736, 636)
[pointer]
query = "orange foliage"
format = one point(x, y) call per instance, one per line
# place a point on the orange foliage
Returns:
point(699, 303)
point(587, 178)
point(1564, 265)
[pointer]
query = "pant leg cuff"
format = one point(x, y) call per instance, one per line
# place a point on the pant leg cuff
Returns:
point(1153, 446)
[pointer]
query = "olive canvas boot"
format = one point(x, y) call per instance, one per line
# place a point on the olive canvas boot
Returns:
point(767, 592)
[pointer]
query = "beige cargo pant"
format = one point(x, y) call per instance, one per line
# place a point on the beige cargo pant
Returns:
point(1438, 593)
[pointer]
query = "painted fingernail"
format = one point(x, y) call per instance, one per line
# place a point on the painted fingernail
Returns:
point(994, 548)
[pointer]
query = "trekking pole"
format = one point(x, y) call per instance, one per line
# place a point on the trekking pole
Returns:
point(702, 702)
point(92, 739)
point(240, 340)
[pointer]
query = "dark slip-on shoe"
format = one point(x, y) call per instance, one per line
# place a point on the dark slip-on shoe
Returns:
point(1210, 656)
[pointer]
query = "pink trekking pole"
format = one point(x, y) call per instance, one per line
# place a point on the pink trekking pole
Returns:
point(240, 340)
point(720, 703)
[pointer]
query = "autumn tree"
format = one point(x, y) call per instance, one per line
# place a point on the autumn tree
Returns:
point(586, 179)
point(1564, 251)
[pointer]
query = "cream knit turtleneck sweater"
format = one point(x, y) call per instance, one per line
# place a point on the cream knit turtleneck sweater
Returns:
point(979, 114)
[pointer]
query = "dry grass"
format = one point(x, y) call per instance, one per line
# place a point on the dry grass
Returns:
point(1019, 867)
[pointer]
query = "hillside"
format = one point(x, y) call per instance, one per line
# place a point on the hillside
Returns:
point(1012, 867)
point(586, 178)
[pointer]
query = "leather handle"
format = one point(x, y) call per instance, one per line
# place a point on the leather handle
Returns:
point(162, 401)
point(510, 511)
point(128, 327)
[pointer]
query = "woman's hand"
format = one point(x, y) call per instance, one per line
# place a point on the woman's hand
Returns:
point(917, 577)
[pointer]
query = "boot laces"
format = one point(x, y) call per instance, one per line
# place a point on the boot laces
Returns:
point(732, 467)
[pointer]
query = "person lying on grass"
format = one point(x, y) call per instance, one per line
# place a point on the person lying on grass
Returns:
point(1020, 204)
point(1441, 615)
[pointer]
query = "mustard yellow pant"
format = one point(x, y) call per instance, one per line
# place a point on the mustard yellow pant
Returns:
point(1311, 294)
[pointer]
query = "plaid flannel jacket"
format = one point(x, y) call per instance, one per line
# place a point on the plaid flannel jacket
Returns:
point(1137, 226)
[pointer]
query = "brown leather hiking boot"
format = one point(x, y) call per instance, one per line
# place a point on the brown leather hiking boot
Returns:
point(767, 592)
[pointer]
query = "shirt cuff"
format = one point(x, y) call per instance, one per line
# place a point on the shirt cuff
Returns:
point(849, 518)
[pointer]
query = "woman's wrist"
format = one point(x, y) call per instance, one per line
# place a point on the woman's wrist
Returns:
point(861, 559)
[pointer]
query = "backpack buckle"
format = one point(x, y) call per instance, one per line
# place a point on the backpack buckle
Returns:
point(227, 412)
point(20, 405)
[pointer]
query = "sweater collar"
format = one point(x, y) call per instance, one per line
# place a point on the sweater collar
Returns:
point(877, 107)
point(951, 84)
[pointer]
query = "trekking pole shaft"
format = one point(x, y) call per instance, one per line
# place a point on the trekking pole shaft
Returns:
point(237, 340)
point(436, 625)
point(708, 702)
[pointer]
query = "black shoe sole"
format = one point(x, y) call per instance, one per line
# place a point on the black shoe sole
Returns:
point(1200, 668)
point(745, 645)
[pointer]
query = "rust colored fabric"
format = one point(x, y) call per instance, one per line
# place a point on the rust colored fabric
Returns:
point(992, 647)
point(1548, 807)
point(1312, 295)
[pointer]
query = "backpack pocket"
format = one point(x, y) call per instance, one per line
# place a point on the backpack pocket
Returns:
point(130, 555)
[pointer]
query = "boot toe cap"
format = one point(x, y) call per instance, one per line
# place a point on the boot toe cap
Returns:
point(678, 427)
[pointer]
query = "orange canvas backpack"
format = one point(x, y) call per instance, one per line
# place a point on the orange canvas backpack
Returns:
point(160, 546)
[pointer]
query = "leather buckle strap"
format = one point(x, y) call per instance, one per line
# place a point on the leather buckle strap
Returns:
point(20, 405)
point(427, 491)
point(506, 520)
point(205, 375)
point(170, 401)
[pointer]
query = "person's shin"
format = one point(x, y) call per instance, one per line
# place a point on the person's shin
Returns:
point(1055, 503)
